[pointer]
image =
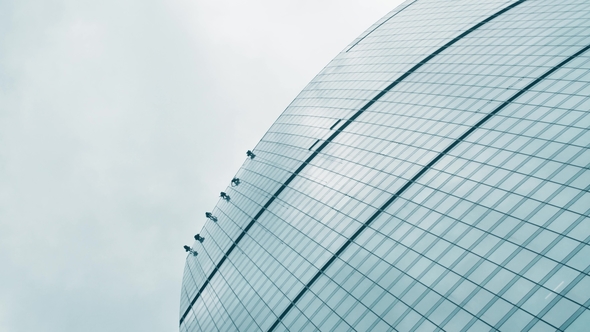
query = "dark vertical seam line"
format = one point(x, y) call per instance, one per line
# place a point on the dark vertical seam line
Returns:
point(314, 144)
point(418, 175)
point(335, 124)
point(320, 148)
point(378, 26)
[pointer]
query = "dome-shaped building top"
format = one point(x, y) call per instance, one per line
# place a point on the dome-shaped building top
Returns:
point(434, 176)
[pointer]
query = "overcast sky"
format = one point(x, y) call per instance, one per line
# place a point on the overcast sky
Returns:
point(120, 123)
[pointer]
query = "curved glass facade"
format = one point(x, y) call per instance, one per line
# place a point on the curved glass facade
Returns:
point(433, 176)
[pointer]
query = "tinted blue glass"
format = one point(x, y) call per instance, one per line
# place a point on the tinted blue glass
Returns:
point(434, 176)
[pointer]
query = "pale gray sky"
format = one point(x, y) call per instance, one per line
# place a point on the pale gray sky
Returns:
point(120, 123)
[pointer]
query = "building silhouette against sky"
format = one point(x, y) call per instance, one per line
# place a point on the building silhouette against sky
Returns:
point(433, 176)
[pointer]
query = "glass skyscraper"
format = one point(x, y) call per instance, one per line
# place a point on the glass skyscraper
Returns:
point(433, 177)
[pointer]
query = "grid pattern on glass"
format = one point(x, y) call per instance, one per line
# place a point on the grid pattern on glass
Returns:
point(232, 247)
point(458, 244)
point(582, 203)
point(345, 184)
